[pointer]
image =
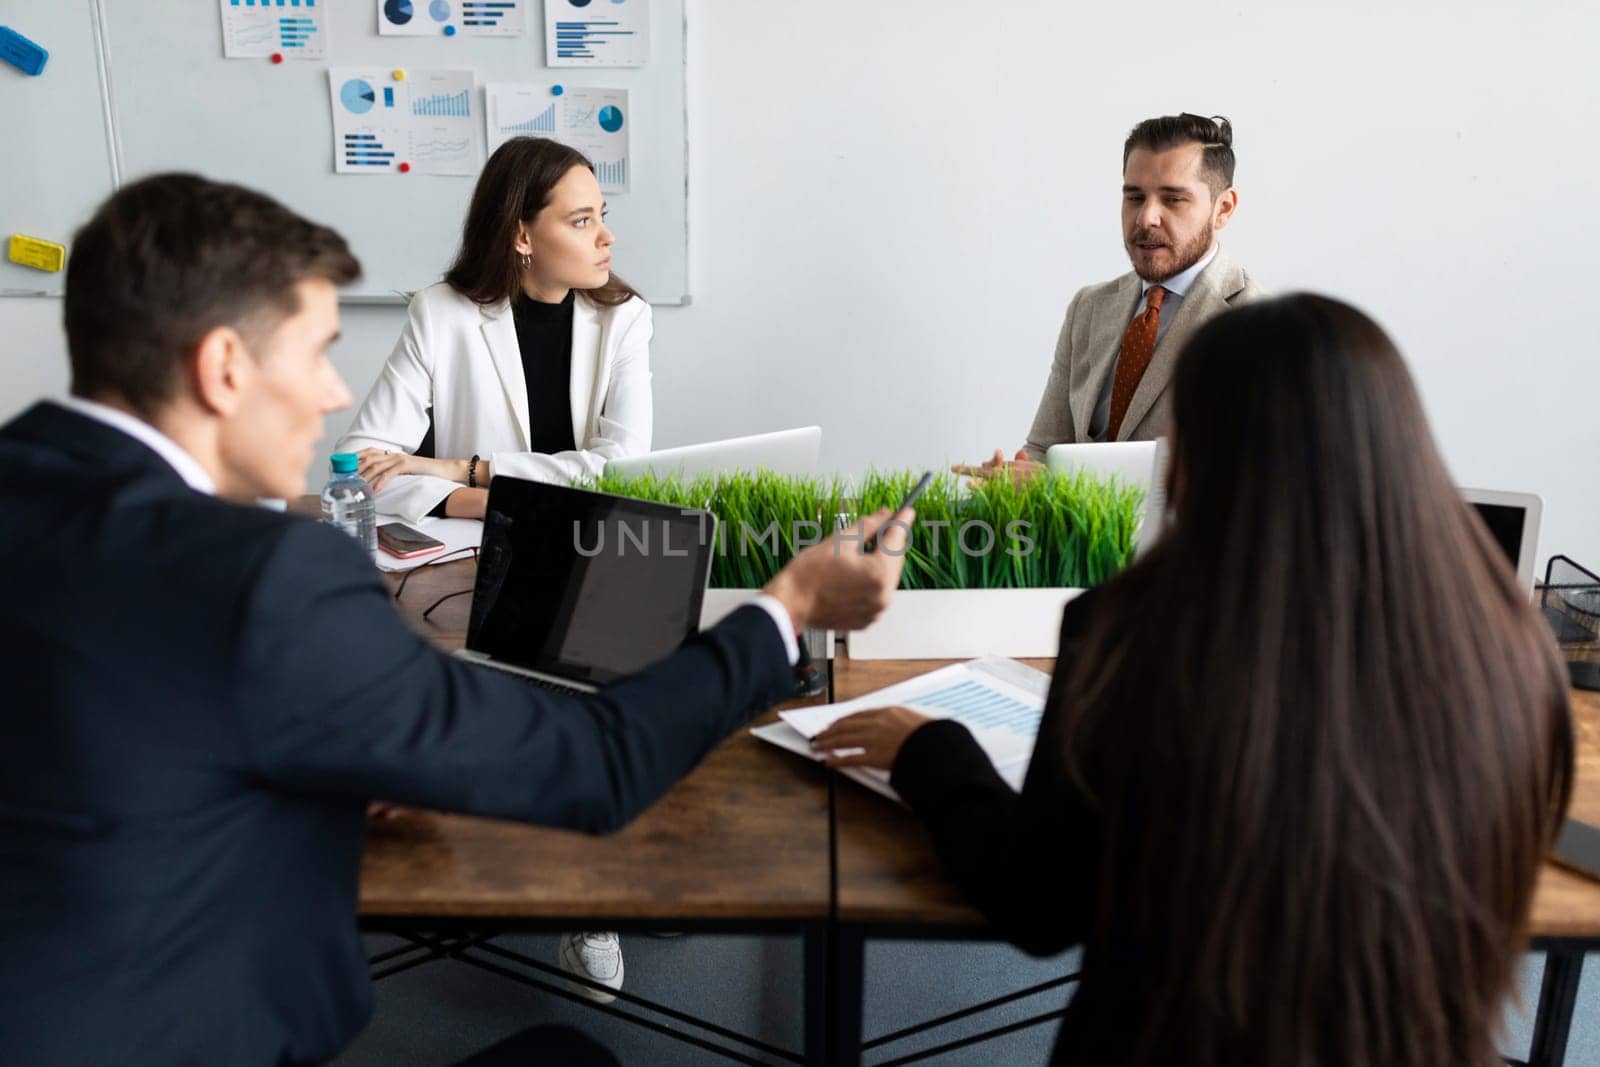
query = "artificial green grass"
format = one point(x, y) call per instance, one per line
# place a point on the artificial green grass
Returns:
point(1052, 530)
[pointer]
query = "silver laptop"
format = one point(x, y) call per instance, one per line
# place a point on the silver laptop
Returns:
point(1140, 463)
point(782, 452)
point(1513, 519)
point(577, 589)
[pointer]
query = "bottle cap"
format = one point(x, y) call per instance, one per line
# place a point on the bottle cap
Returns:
point(344, 462)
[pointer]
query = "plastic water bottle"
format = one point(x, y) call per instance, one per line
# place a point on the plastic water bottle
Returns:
point(347, 503)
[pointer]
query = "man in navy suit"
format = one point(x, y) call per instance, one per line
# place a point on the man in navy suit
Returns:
point(202, 696)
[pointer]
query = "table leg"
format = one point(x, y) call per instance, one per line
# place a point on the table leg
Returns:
point(814, 940)
point(846, 973)
point(1558, 998)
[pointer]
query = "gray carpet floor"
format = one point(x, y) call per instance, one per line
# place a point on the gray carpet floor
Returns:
point(442, 1012)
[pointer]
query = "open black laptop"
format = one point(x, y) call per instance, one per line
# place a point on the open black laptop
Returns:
point(576, 589)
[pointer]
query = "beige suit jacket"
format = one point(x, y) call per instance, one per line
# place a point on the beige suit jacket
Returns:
point(1091, 336)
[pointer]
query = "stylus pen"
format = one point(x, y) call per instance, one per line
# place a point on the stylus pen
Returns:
point(911, 498)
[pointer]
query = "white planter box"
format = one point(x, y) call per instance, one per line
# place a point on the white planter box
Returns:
point(719, 603)
point(964, 624)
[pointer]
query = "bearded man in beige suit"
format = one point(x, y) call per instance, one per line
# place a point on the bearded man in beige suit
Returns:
point(1121, 339)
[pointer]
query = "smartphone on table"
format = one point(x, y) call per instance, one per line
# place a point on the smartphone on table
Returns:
point(404, 542)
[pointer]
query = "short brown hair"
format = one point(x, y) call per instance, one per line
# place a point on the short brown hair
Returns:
point(171, 257)
point(1170, 131)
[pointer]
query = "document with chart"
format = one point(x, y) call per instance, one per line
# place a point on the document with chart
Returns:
point(581, 33)
point(425, 122)
point(448, 18)
point(594, 121)
point(255, 29)
point(1000, 700)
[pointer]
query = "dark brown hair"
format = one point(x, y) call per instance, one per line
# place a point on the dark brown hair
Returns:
point(171, 257)
point(514, 187)
point(1170, 131)
point(1328, 738)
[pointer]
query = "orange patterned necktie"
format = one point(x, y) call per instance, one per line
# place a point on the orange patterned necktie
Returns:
point(1138, 345)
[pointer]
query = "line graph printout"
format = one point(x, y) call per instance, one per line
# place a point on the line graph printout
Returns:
point(424, 124)
point(597, 122)
point(255, 29)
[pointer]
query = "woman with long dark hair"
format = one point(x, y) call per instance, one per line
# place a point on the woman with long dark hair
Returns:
point(1299, 766)
point(530, 359)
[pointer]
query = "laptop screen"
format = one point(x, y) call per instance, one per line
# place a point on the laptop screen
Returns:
point(586, 586)
point(1505, 523)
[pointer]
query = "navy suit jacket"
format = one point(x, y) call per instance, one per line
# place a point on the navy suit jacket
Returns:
point(200, 700)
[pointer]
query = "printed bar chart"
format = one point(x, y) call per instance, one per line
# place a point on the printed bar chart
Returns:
point(296, 33)
point(578, 40)
point(586, 33)
point(573, 39)
point(612, 175)
point(982, 707)
point(485, 12)
point(365, 150)
point(454, 105)
point(544, 122)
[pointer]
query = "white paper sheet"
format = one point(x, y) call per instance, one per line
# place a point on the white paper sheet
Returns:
point(452, 18)
point(255, 29)
point(426, 121)
point(597, 122)
point(596, 33)
point(999, 700)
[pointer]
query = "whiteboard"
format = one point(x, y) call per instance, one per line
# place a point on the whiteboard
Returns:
point(55, 159)
point(174, 103)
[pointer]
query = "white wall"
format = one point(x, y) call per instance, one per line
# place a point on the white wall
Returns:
point(891, 205)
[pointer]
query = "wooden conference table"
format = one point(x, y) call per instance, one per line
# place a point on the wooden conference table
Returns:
point(758, 840)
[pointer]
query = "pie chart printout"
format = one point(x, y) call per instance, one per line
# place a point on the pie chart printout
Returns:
point(357, 96)
point(398, 12)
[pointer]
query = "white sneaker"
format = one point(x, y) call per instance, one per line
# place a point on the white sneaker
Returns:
point(597, 957)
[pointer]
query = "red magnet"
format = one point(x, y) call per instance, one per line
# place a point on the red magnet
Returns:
point(405, 168)
point(277, 57)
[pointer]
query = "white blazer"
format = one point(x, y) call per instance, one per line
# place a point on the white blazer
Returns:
point(461, 359)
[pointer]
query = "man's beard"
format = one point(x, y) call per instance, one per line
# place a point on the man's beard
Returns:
point(1185, 257)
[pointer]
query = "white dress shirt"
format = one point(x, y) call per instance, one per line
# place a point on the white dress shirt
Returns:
point(188, 468)
point(1177, 288)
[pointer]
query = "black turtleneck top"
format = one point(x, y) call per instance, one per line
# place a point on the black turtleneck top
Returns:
point(544, 339)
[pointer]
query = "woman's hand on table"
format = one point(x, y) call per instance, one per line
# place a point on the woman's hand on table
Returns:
point(868, 738)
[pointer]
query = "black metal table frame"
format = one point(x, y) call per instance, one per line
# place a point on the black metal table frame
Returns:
point(471, 941)
point(834, 982)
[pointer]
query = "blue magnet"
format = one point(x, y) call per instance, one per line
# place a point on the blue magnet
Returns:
point(21, 52)
point(449, 31)
point(556, 90)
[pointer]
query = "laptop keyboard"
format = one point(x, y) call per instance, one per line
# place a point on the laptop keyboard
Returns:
point(537, 683)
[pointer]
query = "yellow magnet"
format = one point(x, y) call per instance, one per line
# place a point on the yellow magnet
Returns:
point(398, 74)
point(36, 253)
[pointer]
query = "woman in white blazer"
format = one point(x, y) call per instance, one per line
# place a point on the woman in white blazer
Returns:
point(530, 359)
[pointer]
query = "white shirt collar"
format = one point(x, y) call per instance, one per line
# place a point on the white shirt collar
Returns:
point(1178, 285)
point(188, 468)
